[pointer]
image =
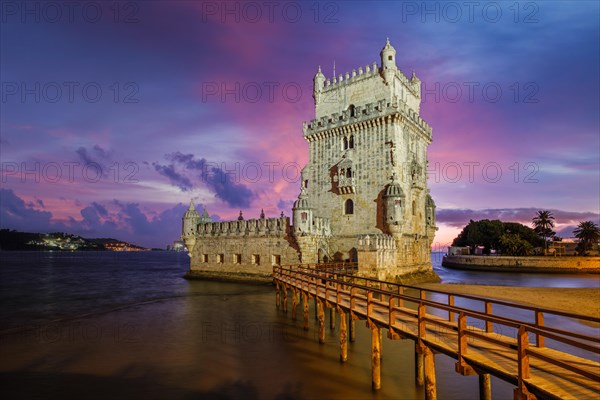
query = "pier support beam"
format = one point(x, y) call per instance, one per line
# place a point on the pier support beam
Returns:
point(321, 318)
point(284, 299)
point(419, 379)
point(277, 296)
point(294, 304)
point(485, 387)
point(376, 356)
point(332, 318)
point(306, 306)
point(429, 367)
point(343, 337)
point(352, 329)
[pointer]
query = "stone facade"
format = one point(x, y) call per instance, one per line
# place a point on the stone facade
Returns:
point(363, 195)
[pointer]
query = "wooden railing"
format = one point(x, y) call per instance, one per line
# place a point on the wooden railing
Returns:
point(444, 327)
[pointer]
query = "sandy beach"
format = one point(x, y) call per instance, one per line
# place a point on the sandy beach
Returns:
point(573, 300)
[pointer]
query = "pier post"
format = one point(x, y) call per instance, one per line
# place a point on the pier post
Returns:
point(485, 387)
point(316, 308)
point(294, 303)
point(343, 337)
point(429, 366)
point(321, 318)
point(284, 299)
point(306, 306)
point(418, 365)
point(277, 296)
point(352, 329)
point(376, 356)
point(332, 318)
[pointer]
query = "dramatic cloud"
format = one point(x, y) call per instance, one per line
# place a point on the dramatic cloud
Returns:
point(16, 214)
point(125, 222)
point(221, 183)
point(179, 79)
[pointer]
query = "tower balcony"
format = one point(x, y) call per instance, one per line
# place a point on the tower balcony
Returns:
point(345, 185)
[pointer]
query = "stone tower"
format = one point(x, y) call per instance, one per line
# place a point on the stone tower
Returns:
point(363, 195)
point(190, 222)
point(367, 167)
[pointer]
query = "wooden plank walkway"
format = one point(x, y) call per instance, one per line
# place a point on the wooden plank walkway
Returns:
point(523, 360)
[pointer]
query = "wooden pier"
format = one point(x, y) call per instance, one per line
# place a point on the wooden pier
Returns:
point(511, 349)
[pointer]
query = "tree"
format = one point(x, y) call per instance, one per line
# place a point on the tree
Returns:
point(488, 233)
point(588, 233)
point(542, 223)
point(511, 244)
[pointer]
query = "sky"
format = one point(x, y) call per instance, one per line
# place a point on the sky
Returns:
point(115, 114)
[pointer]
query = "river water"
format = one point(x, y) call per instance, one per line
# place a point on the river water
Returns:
point(90, 325)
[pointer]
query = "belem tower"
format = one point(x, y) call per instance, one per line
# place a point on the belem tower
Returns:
point(363, 194)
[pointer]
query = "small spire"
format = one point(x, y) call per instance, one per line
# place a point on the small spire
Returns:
point(191, 207)
point(241, 217)
point(334, 69)
point(387, 41)
point(262, 213)
point(282, 214)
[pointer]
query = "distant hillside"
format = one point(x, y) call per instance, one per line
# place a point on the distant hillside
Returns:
point(14, 240)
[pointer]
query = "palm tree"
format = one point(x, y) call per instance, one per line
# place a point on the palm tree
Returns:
point(543, 222)
point(588, 233)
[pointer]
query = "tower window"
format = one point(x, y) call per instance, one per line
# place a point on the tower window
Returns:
point(352, 110)
point(414, 208)
point(345, 142)
point(255, 259)
point(349, 173)
point(351, 142)
point(349, 207)
point(390, 58)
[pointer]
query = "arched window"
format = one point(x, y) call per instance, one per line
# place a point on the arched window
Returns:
point(351, 142)
point(414, 208)
point(349, 173)
point(349, 207)
point(345, 142)
point(352, 110)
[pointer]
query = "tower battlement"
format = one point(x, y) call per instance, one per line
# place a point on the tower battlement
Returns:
point(362, 73)
point(250, 227)
point(359, 114)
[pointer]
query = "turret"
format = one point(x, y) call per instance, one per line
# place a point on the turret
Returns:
point(388, 62)
point(190, 222)
point(394, 203)
point(429, 211)
point(302, 213)
point(318, 84)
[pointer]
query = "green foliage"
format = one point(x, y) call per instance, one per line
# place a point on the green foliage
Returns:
point(543, 222)
point(588, 233)
point(487, 233)
point(511, 244)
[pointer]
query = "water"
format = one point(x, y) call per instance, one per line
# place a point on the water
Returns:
point(126, 325)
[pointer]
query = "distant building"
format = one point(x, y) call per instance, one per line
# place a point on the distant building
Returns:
point(363, 195)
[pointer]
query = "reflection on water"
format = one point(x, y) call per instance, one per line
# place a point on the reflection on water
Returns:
point(171, 338)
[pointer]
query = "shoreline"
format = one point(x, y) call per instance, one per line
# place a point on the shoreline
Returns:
point(584, 301)
point(535, 264)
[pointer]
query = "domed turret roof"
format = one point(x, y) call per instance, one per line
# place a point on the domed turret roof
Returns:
point(302, 202)
point(191, 211)
point(388, 48)
point(394, 189)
